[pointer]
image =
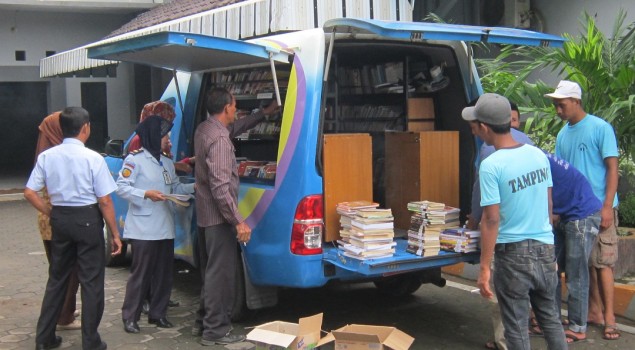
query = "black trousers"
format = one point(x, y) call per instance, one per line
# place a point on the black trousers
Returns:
point(78, 238)
point(151, 270)
point(218, 259)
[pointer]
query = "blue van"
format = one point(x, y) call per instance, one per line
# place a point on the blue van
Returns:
point(351, 77)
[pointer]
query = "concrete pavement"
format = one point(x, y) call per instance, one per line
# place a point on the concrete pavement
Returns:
point(23, 268)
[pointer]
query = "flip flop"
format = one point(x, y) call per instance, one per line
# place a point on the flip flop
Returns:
point(491, 345)
point(611, 332)
point(574, 338)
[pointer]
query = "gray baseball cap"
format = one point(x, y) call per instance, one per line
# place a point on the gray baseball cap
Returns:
point(492, 109)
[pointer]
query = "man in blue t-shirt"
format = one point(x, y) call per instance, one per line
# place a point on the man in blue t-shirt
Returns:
point(576, 218)
point(516, 199)
point(589, 144)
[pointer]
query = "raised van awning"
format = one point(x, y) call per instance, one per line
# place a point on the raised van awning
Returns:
point(441, 31)
point(186, 52)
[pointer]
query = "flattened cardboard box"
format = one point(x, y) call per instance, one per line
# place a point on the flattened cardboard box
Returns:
point(363, 337)
point(303, 335)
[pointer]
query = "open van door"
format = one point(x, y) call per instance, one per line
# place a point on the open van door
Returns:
point(346, 28)
point(184, 53)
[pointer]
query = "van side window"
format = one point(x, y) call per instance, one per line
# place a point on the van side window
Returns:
point(256, 148)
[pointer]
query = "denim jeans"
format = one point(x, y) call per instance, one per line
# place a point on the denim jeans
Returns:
point(526, 272)
point(579, 237)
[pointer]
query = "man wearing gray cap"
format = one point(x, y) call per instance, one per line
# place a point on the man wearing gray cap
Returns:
point(589, 144)
point(516, 199)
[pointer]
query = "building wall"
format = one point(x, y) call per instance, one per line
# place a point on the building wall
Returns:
point(37, 32)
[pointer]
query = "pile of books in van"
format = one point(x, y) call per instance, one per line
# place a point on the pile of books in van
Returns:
point(426, 223)
point(367, 231)
point(460, 240)
point(257, 169)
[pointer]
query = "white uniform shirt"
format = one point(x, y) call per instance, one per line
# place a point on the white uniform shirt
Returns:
point(148, 220)
point(73, 174)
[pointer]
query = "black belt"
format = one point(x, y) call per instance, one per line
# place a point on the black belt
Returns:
point(514, 246)
point(79, 207)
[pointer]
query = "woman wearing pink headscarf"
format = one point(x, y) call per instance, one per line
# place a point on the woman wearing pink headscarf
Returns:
point(165, 111)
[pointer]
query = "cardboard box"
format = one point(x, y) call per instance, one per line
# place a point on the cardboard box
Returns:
point(276, 335)
point(363, 337)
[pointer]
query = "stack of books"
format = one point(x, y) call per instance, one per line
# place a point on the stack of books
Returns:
point(348, 211)
point(371, 235)
point(460, 240)
point(426, 223)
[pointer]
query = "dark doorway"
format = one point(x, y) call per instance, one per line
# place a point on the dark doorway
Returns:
point(23, 105)
point(94, 101)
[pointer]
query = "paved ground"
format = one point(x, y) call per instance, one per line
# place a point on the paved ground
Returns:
point(23, 269)
point(438, 318)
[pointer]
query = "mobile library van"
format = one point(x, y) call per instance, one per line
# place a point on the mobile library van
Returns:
point(371, 110)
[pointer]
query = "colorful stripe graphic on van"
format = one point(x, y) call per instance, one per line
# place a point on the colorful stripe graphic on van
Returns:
point(253, 202)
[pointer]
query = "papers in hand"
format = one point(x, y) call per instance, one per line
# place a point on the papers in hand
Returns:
point(180, 199)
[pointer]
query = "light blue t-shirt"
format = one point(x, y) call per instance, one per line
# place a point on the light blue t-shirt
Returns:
point(518, 180)
point(585, 145)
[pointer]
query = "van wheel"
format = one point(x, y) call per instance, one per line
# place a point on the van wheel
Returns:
point(399, 286)
point(113, 260)
point(240, 310)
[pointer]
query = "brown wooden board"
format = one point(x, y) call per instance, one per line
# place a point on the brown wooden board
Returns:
point(420, 166)
point(348, 175)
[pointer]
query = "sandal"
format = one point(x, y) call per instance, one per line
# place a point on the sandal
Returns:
point(611, 332)
point(573, 337)
point(491, 345)
point(534, 328)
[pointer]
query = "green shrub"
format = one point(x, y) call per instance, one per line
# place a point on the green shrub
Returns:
point(627, 210)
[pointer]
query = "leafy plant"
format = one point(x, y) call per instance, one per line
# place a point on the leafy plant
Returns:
point(603, 66)
point(627, 210)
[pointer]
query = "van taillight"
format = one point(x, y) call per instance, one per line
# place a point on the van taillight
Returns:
point(308, 226)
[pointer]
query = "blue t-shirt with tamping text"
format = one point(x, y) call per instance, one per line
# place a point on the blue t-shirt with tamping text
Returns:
point(518, 180)
point(572, 195)
point(585, 145)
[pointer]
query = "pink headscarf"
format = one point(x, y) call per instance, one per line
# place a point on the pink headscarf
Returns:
point(160, 108)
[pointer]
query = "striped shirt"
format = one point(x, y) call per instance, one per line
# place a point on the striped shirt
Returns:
point(217, 172)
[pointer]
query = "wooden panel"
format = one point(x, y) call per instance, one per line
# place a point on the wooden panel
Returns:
point(440, 167)
point(348, 175)
point(421, 166)
point(402, 174)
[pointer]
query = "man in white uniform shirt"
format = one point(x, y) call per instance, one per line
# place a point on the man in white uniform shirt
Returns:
point(79, 184)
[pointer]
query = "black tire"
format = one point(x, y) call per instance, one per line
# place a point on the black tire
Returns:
point(240, 310)
point(399, 286)
point(117, 260)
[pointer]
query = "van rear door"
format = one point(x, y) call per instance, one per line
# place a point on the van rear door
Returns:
point(186, 52)
point(415, 32)
point(418, 31)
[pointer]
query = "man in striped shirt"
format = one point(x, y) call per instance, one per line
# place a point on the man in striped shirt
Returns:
point(217, 213)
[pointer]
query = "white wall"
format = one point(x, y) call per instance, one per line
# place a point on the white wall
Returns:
point(564, 16)
point(120, 105)
point(37, 32)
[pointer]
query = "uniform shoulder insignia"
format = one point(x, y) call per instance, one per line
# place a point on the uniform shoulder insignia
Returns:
point(137, 151)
